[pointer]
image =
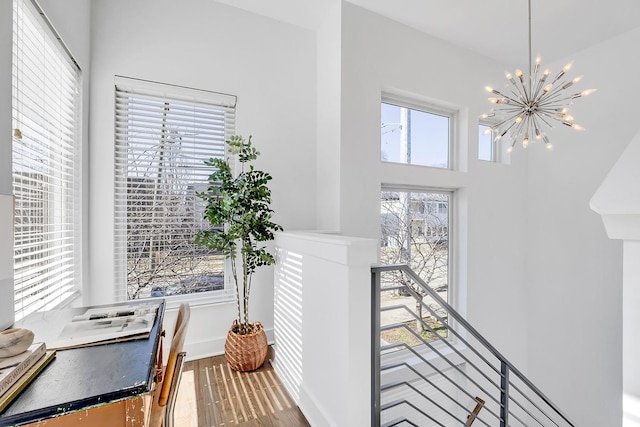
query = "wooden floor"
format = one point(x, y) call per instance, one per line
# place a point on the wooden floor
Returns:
point(222, 397)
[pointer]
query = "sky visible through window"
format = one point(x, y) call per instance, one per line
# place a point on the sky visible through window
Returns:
point(427, 135)
point(485, 144)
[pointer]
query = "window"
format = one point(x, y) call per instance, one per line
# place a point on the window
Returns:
point(420, 239)
point(417, 136)
point(417, 237)
point(486, 143)
point(45, 164)
point(163, 136)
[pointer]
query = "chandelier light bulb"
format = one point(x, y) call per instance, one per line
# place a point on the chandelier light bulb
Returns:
point(529, 104)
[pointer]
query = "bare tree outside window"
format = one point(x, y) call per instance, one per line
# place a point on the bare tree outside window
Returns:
point(160, 157)
point(415, 231)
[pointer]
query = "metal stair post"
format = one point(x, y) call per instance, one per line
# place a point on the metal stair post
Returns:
point(504, 395)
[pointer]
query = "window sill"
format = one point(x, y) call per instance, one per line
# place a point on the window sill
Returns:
point(197, 299)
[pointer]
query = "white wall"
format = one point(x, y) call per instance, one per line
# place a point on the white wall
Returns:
point(269, 65)
point(381, 55)
point(324, 360)
point(574, 271)
point(6, 245)
point(6, 38)
point(329, 64)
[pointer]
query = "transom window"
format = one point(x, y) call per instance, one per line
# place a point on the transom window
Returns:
point(486, 143)
point(415, 135)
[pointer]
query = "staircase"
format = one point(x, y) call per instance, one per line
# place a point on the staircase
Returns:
point(430, 367)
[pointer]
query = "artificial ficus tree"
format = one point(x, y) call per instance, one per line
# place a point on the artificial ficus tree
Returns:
point(241, 203)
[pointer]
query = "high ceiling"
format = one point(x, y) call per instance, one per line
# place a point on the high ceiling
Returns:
point(495, 28)
point(498, 28)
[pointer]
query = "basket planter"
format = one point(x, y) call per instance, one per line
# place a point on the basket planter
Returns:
point(246, 352)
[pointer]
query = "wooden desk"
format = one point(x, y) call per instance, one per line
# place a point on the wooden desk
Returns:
point(109, 379)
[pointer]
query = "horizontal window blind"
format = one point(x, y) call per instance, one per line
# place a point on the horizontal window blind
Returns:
point(163, 135)
point(46, 169)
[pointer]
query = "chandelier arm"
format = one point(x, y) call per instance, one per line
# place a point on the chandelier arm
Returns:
point(552, 114)
point(505, 131)
point(557, 90)
point(539, 86)
point(497, 92)
point(546, 122)
point(537, 128)
point(510, 109)
point(513, 116)
point(520, 96)
point(555, 97)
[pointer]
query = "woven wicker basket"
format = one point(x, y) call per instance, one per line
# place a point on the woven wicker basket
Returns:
point(246, 352)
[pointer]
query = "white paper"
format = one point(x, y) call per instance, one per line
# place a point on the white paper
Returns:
point(82, 332)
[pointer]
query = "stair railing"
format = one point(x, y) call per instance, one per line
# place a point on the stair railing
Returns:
point(444, 373)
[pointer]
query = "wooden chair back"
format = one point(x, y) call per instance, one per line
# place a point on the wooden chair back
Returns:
point(165, 392)
point(184, 314)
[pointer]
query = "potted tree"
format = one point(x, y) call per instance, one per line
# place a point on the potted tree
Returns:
point(240, 203)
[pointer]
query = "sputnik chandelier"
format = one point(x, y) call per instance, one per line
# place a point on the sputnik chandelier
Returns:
point(527, 105)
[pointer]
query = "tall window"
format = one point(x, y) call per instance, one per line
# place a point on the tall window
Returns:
point(415, 230)
point(163, 136)
point(46, 164)
point(415, 135)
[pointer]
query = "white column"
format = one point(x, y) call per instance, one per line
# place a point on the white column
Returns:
point(618, 202)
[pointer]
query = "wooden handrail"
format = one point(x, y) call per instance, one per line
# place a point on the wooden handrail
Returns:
point(474, 414)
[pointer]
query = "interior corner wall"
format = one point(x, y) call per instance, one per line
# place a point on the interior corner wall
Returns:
point(6, 179)
point(6, 43)
point(329, 64)
point(269, 65)
point(574, 269)
point(381, 55)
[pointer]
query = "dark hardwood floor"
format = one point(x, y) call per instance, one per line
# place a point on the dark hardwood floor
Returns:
point(223, 397)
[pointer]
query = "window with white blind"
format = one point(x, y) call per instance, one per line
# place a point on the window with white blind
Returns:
point(163, 135)
point(46, 164)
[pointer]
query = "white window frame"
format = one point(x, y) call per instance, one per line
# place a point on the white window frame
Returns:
point(494, 151)
point(453, 291)
point(140, 89)
point(429, 108)
point(500, 153)
point(451, 231)
point(46, 164)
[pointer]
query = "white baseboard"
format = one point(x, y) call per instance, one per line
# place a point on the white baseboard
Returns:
point(313, 412)
point(213, 346)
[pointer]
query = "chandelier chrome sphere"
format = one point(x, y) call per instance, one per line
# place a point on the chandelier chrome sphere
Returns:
point(530, 104)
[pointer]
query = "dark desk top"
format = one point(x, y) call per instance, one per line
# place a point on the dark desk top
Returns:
point(83, 377)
